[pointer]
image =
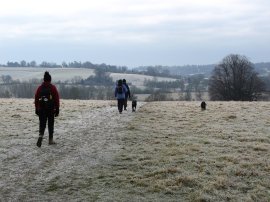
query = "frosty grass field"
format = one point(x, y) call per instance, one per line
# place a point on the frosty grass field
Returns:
point(166, 151)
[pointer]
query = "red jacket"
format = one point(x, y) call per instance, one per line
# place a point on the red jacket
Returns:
point(54, 93)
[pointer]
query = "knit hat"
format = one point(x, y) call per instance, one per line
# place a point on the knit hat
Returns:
point(47, 77)
point(120, 82)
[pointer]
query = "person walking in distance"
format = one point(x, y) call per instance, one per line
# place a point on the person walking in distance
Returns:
point(120, 94)
point(47, 107)
point(127, 94)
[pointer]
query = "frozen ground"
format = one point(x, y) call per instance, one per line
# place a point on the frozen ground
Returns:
point(87, 135)
point(166, 151)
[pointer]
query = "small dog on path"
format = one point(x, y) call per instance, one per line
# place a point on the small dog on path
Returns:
point(134, 105)
point(203, 105)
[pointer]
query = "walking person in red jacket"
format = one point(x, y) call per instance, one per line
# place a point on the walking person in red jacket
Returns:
point(47, 107)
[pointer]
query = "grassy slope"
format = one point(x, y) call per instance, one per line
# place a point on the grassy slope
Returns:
point(174, 151)
point(170, 151)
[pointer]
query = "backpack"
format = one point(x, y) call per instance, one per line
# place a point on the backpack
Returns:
point(46, 99)
point(120, 89)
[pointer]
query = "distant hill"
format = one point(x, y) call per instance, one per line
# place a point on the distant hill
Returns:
point(262, 68)
point(186, 70)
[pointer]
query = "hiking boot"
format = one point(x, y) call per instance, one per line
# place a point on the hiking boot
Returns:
point(51, 141)
point(39, 142)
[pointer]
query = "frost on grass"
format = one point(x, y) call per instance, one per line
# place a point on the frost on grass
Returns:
point(166, 151)
point(175, 150)
point(87, 138)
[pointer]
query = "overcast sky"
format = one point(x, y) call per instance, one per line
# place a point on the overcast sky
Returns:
point(134, 32)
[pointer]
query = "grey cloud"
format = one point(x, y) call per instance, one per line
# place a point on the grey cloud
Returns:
point(166, 32)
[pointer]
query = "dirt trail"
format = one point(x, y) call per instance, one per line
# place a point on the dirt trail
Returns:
point(87, 135)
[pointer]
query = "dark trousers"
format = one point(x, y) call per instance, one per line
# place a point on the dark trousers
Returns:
point(125, 103)
point(120, 103)
point(43, 118)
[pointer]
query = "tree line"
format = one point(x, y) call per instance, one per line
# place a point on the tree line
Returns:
point(234, 78)
point(75, 64)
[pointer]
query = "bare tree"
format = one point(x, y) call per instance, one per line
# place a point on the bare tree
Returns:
point(235, 79)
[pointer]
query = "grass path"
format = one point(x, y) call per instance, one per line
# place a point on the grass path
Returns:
point(166, 151)
point(87, 133)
